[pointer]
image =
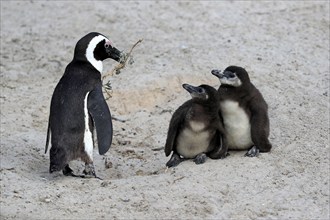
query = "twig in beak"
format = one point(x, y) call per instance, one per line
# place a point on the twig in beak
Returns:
point(116, 69)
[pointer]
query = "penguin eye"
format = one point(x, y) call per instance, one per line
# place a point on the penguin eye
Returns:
point(107, 44)
point(231, 75)
point(200, 90)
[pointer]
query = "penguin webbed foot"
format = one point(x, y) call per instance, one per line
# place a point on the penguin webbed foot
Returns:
point(67, 171)
point(219, 156)
point(86, 175)
point(174, 161)
point(89, 171)
point(200, 158)
point(223, 156)
point(253, 152)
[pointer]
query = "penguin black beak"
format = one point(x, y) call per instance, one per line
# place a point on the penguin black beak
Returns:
point(192, 89)
point(114, 53)
point(217, 73)
point(196, 91)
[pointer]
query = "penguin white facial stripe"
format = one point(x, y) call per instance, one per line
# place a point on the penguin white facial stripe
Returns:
point(88, 139)
point(236, 82)
point(237, 125)
point(90, 52)
point(201, 96)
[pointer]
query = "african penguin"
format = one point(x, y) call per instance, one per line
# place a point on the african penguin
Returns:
point(78, 106)
point(195, 130)
point(244, 112)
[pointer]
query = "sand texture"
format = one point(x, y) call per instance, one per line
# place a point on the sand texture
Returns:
point(284, 45)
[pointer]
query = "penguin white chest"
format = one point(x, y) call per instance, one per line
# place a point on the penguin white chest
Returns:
point(237, 125)
point(193, 140)
point(88, 138)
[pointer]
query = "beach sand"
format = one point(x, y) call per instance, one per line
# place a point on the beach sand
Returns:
point(284, 45)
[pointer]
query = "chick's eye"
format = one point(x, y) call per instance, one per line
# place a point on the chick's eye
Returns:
point(231, 75)
point(106, 45)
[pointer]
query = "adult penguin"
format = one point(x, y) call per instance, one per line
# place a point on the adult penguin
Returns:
point(195, 129)
point(244, 112)
point(78, 106)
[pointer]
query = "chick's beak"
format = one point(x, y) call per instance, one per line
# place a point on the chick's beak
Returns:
point(217, 73)
point(190, 88)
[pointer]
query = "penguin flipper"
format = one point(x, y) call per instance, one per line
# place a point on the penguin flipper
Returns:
point(260, 125)
point(48, 134)
point(175, 124)
point(220, 150)
point(174, 161)
point(99, 110)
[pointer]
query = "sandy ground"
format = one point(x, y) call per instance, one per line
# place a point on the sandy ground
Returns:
point(283, 45)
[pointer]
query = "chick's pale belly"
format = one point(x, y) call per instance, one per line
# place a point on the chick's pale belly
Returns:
point(190, 143)
point(237, 126)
